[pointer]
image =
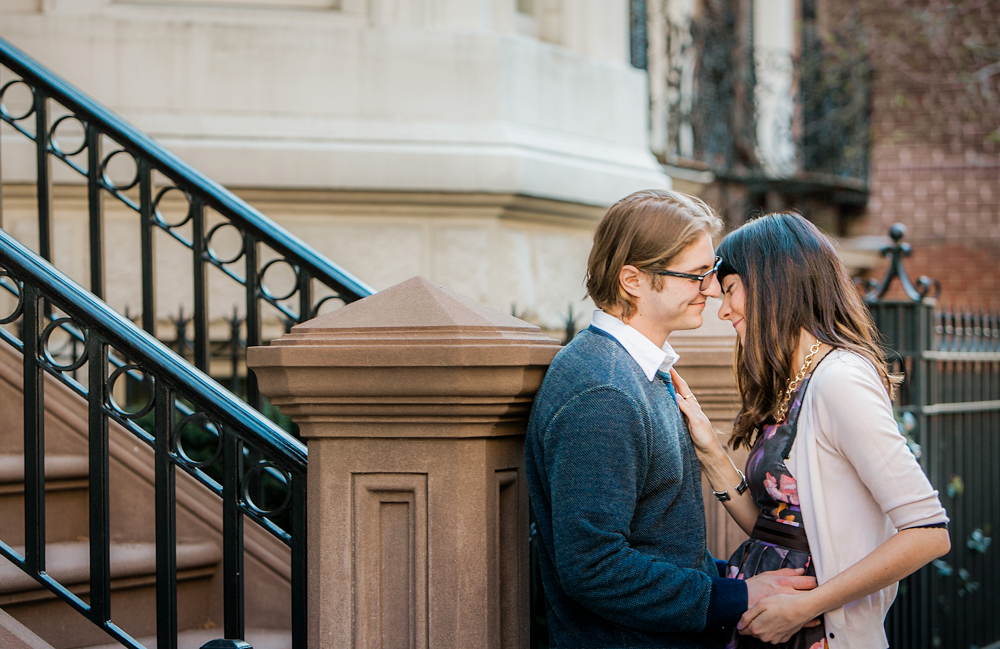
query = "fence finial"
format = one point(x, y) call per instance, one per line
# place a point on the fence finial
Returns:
point(925, 285)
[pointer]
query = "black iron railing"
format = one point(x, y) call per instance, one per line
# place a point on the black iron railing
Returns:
point(190, 421)
point(218, 229)
point(949, 409)
point(181, 397)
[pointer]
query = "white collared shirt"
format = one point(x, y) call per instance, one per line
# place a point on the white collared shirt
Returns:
point(651, 359)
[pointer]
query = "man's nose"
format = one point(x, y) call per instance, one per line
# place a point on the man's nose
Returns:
point(714, 289)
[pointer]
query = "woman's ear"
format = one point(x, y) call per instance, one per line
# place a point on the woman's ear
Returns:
point(630, 279)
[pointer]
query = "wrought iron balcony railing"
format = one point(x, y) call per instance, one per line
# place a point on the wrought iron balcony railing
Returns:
point(754, 112)
point(66, 125)
point(249, 447)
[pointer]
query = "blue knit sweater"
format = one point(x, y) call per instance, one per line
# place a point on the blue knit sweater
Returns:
point(616, 489)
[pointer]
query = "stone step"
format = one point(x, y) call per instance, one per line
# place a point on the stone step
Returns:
point(133, 599)
point(196, 638)
point(65, 498)
point(14, 635)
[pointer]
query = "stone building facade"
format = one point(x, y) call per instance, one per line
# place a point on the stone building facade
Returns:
point(473, 143)
point(936, 139)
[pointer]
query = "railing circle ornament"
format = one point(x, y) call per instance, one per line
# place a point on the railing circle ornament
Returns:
point(19, 307)
point(206, 424)
point(272, 469)
point(158, 214)
point(113, 404)
point(322, 301)
point(47, 356)
point(54, 140)
point(210, 251)
point(273, 264)
point(3, 106)
point(109, 181)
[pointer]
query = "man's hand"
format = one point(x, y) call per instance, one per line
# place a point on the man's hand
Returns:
point(777, 618)
point(787, 581)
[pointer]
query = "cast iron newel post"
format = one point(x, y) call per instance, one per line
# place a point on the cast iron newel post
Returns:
point(896, 252)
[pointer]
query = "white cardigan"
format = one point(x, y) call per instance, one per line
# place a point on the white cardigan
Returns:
point(858, 483)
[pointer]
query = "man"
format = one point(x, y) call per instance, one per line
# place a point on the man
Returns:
point(611, 469)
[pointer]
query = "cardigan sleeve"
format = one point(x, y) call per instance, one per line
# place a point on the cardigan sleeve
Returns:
point(595, 464)
point(855, 417)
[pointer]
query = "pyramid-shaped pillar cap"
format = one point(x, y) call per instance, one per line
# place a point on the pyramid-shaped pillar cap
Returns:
point(419, 322)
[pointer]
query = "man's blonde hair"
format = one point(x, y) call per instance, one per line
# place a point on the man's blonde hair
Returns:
point(646, 229)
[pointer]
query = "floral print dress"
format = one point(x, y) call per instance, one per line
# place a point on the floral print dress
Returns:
point(775, 492)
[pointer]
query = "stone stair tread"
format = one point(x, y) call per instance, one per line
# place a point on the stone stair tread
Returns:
point(69, 563)
point(195, 638)
point(57, 467)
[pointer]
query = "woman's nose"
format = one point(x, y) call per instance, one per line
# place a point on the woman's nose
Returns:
point(724, 309)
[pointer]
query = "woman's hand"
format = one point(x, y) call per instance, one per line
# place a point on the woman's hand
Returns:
point(702, 433)
point(777, 618)
point(715, 462)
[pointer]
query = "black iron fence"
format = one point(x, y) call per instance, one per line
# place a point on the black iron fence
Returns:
point(949, 409)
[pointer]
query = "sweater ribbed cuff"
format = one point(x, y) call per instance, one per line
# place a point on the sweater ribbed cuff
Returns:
point(726, 603)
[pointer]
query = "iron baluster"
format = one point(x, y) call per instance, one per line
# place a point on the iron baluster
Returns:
point(166, 518)
point(147, 246)
point(300, 573)
point(232, 534)
point(253, 314)
point(200, 278)
point(234, 351)
point(253, 323)
point(100, 530)
point(34, 432)
point(305, 294)
point(43, 171)
point(1, 168)
point(95, 204)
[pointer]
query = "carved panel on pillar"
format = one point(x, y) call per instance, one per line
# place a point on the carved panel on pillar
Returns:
point(390, 561)
point(508, 556)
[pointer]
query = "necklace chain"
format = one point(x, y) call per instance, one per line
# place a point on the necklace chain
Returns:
point(794, 382)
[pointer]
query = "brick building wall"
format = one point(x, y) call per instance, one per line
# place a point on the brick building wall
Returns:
point(936, 138)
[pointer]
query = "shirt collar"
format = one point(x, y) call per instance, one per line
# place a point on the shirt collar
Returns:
point(650, 358)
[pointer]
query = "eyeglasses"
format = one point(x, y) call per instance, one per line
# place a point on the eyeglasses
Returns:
point(705, 280)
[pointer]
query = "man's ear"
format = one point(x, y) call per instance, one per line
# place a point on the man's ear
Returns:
point(630, 279)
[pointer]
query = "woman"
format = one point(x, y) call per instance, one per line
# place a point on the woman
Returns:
point(833, 488)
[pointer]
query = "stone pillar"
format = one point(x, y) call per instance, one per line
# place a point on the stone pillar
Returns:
point(414, 404)
point(707, 365)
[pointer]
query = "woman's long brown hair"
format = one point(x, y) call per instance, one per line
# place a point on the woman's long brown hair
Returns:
point(793, 280)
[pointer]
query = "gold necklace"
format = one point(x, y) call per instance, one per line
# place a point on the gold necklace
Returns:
point(794, 382)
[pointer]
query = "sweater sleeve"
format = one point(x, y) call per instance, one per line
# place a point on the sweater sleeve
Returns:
point(855, 416)
point(595, 464)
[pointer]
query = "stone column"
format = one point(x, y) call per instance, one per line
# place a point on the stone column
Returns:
point(414, 404)
point(707, 365)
